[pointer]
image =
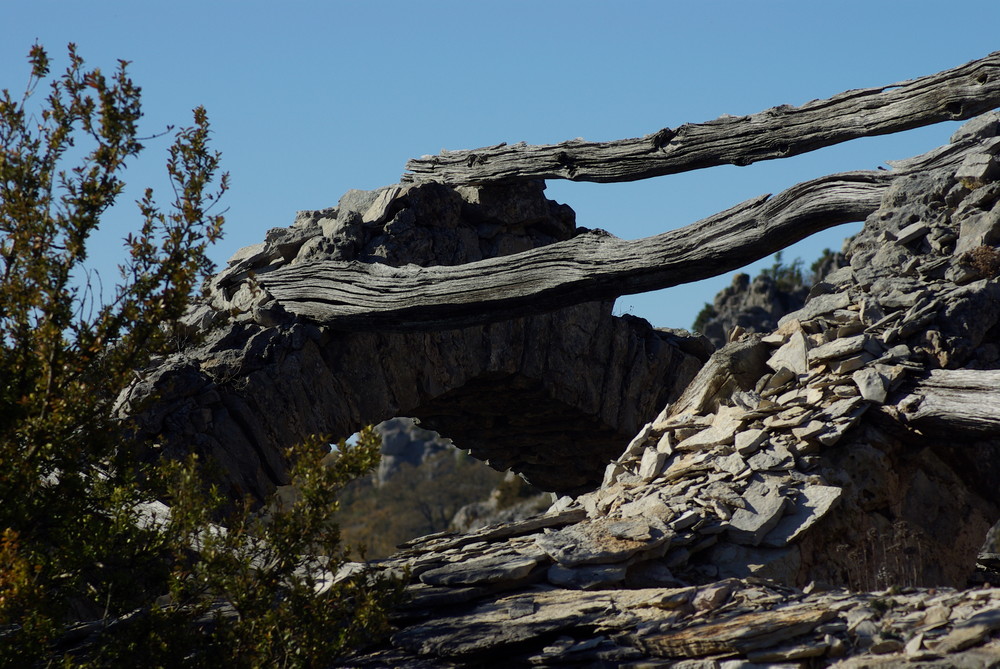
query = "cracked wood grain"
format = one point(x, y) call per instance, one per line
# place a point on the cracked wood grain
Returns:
point(590, 267)
point(958, 401)
point(779, 132)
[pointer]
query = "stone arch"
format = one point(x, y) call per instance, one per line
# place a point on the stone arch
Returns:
point(260, 380)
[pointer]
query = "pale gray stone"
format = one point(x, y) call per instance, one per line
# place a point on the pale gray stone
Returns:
point(912, 232)
point(900, 299)
point(377, 212)
point(978, 168)
point(788, 419)
point(809, 430)
point(765, 505)
point(978, 230)
point(732, 463)
point(837, 348)
point(651, 506)
point(775, 457)
point(969, 632)
point(713, 596)
point(601, 541)
point(872, 385)
point(482, 571)
point(685, 520)
point(792, 355)
point(844, 407)
point(652, 463)
point(611, 473)
point(638, 443)
point(809, 506)
point(748, 442)
point(840, 276)
point(848, 365)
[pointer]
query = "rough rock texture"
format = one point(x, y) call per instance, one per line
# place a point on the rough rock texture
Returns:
point(549, 396)
point(512, 500)
point(753, 306)
point(757, 305)
point(794, 465)
point(405, 442)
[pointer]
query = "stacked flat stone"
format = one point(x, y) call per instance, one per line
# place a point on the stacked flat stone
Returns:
point(726, 532)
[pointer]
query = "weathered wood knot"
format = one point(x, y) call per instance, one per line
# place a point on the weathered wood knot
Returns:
point(662, 138)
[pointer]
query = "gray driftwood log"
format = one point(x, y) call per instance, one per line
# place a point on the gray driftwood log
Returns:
point(589, 267)
point(957, 401)
point(779, 132)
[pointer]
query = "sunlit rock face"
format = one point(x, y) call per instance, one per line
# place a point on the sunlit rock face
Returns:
point(549, 396)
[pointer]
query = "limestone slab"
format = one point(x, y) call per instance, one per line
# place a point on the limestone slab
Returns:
point(811, 504)
point(817, 306)
point(750, 632)
point(602, 541)
point(873, 386)
point(482, 571)
point(774, 457)
point(792, 355)
point(838, 348)
point(748, 442)
point(764, 506)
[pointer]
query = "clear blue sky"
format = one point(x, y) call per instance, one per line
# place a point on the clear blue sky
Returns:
point(310, 99)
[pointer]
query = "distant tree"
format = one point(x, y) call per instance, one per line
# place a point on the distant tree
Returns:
point(78, 537)
point(706, 314)
point(787, 277)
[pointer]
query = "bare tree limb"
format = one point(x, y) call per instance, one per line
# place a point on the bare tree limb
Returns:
point(592, 266)
point(779, 132)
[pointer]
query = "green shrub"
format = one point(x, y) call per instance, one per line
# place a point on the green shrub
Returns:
point(87, 575)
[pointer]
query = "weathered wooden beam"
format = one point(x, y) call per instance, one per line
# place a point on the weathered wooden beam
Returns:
point(779, 132)
point(592, 266)
point(956, 401)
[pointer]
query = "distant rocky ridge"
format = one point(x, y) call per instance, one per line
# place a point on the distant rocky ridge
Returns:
point(756, 305)
point(826, 455)
point(405, 442)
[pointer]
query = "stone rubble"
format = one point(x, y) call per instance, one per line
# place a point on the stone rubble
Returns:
point(779, 513)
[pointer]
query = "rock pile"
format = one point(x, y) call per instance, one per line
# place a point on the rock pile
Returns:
point(796, 459)
point(492, 598)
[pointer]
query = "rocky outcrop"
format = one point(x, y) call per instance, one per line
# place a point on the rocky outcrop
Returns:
point(797, 468)
point(757, 305)
point(549, 396)
point(513, 499)
point(752, 306)
point(405, 443)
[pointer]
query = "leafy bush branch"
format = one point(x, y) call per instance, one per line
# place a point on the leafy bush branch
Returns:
point(92, 570)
